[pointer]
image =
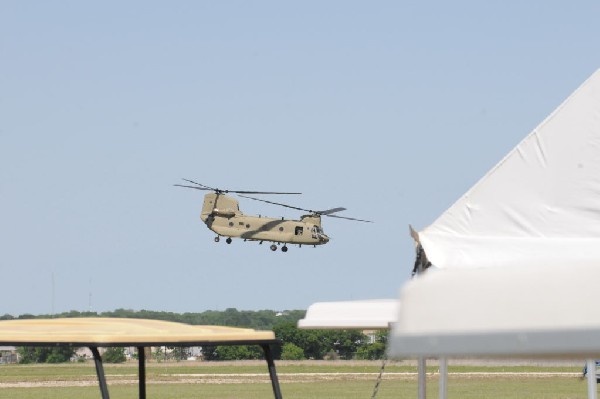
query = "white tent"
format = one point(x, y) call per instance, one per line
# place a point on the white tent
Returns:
point(539, 205)
point(548, 311)
point(517, 258)
point(368, 314)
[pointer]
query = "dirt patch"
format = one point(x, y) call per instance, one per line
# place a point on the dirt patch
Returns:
point(284, 378)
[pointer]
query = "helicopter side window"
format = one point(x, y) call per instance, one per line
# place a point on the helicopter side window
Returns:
point(299, 230)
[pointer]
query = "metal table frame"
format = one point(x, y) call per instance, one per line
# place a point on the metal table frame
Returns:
point(264, 344)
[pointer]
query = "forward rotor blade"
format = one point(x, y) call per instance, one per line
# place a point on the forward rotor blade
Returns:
point(345, 217)
point(328, 212)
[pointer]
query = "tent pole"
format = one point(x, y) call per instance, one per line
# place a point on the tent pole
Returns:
point(443, 378)
point(591, 379)
point(421, 264)
point(100, 372)
point(422, 378)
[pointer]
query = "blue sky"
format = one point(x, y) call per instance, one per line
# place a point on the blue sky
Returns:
point(390, 109)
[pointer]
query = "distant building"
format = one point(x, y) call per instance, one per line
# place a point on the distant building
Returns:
point(8, 354)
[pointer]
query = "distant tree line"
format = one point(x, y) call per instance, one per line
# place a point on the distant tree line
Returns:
point(296, 344)
point(231, 317)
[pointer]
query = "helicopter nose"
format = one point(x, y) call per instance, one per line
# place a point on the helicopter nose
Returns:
point(324, 238)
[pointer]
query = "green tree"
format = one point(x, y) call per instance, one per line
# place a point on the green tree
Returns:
point(374, 350)
point(347, 342)
point(209, 352)
point(239, 352)
point(114, 355)
point(287, 332)
point(28, 354)
point(60, 355)
point(292, 351)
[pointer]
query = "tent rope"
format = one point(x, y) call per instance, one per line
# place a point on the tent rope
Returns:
point(379, 378)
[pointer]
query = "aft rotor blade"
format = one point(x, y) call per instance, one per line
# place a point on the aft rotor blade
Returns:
point(198, 184)
point(194, 187)
point(257, 192)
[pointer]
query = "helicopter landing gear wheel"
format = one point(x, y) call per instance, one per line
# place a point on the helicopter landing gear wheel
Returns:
point(217, 239)
point(284, 248)
point(228, 240)
point(273, 247)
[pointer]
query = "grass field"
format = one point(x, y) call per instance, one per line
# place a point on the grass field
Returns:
point(309, 379)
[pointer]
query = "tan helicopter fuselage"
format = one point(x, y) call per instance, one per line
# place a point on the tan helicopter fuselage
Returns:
point(221, 213)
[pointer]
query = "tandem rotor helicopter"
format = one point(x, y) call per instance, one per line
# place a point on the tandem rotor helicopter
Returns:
point(221, 214)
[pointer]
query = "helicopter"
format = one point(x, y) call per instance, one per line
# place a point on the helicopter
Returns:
point(221, 214)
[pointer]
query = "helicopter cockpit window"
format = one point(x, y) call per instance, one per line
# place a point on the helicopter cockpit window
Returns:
point(299, 230)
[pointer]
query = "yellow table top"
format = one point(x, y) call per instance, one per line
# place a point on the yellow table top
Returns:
point(122, 332)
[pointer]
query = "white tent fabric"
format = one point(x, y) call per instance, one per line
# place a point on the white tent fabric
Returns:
point(368, 314)
point(510, 311)
point(539, 205)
